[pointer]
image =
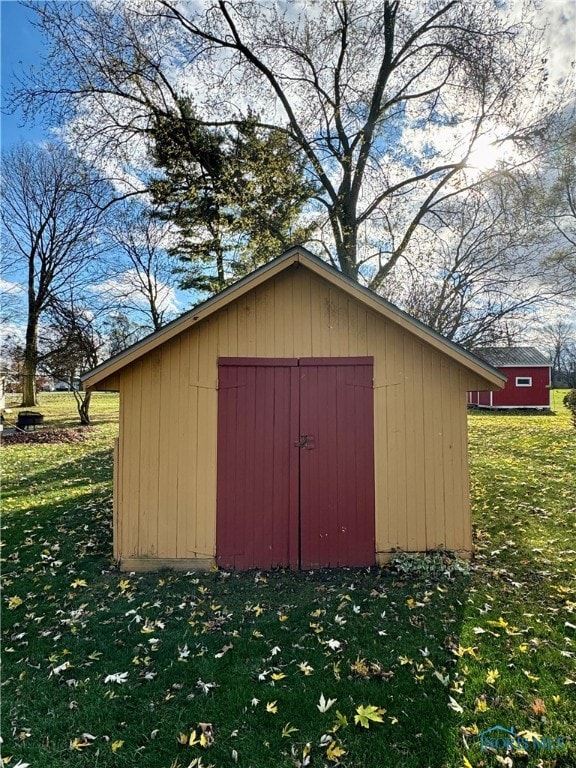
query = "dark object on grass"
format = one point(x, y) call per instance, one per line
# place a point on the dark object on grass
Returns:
point(27, 419)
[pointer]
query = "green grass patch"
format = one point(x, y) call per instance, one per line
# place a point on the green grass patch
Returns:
point(59, 408)
point(109, 669)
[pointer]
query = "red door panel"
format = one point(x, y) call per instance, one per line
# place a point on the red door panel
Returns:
point(337, 464)
point(295, 463)
point(257, 503)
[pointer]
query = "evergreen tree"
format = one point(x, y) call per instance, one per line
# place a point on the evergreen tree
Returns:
point(235, 196)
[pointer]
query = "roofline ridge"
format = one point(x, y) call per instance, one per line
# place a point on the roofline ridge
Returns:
point(297, 254)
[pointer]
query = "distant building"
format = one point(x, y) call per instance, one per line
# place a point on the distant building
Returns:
point(528, 374)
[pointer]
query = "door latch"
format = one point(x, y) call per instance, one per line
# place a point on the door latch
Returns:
point(306, 442)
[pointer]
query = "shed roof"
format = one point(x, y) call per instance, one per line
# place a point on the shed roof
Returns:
point(513, 356)
point(302, 257)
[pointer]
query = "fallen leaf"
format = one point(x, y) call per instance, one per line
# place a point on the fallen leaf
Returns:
point(288, 730)
point(538, 707)
point(492, 676)
point(223, 650)
point(334, 752)
point(207, 734)
point(325, 704)
point(365, 715)
point(79, 743)
point(530, 736)
point(116, 677)
point(453, 704)
point(530, 676)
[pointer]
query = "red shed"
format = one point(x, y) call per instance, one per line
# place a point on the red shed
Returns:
point(528, 374)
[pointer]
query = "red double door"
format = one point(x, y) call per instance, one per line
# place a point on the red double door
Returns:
point(295, 463)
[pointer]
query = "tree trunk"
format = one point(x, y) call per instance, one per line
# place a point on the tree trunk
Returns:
point(30, 363)
point(342, 216)
point(28, 384)
point(220, 268)
point(345, 230)
point(83, 405)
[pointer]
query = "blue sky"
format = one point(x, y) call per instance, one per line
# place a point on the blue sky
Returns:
point(21, 46)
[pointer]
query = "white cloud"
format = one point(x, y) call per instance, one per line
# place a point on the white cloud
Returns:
point(128, 287)
point(11, 288)
point(560, 36)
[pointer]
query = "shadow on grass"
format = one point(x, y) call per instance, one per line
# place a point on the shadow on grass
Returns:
point(38, 475)
point(266, 641)
point(279, 639)
point(502, 413)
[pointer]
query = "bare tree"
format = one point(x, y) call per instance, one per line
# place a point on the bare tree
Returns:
point(70, 346)
point(481, 269)
point(389, 101)
point(560, 340)
point(51, 207)
point(143, 282)
point(120, 331)
point(557, 205)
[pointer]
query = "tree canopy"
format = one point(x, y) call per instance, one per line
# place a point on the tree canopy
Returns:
point(235, 195)
point(389, 102)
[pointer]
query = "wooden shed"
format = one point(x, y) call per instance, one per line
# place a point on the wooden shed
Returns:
point(529, 379)
point(294, 420)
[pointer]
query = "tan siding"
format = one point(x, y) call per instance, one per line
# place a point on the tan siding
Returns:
point(375, 342)
point(167, 458)
point(448, 450)
point(111, 384)
point(303, 310)
point(152, 369)
point(233, 328)
point(420, 457)
point(206, 497)
point(285, 305)
point(187, 544)
point(131, 461)
point(166, 492)
point(433, 437)
point(396, 470)
point(472, 383)
point(116, 512)
point(249, 334)
point(183, 459)
point(206, 435)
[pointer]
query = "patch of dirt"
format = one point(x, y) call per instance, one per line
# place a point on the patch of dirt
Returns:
point(63, 435)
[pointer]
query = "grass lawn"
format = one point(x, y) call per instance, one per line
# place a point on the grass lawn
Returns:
point(364, 669)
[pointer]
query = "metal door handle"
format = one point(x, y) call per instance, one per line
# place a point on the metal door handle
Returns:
point(306, 442)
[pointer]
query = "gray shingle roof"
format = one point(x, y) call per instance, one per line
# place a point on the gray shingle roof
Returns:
point(503, 356)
